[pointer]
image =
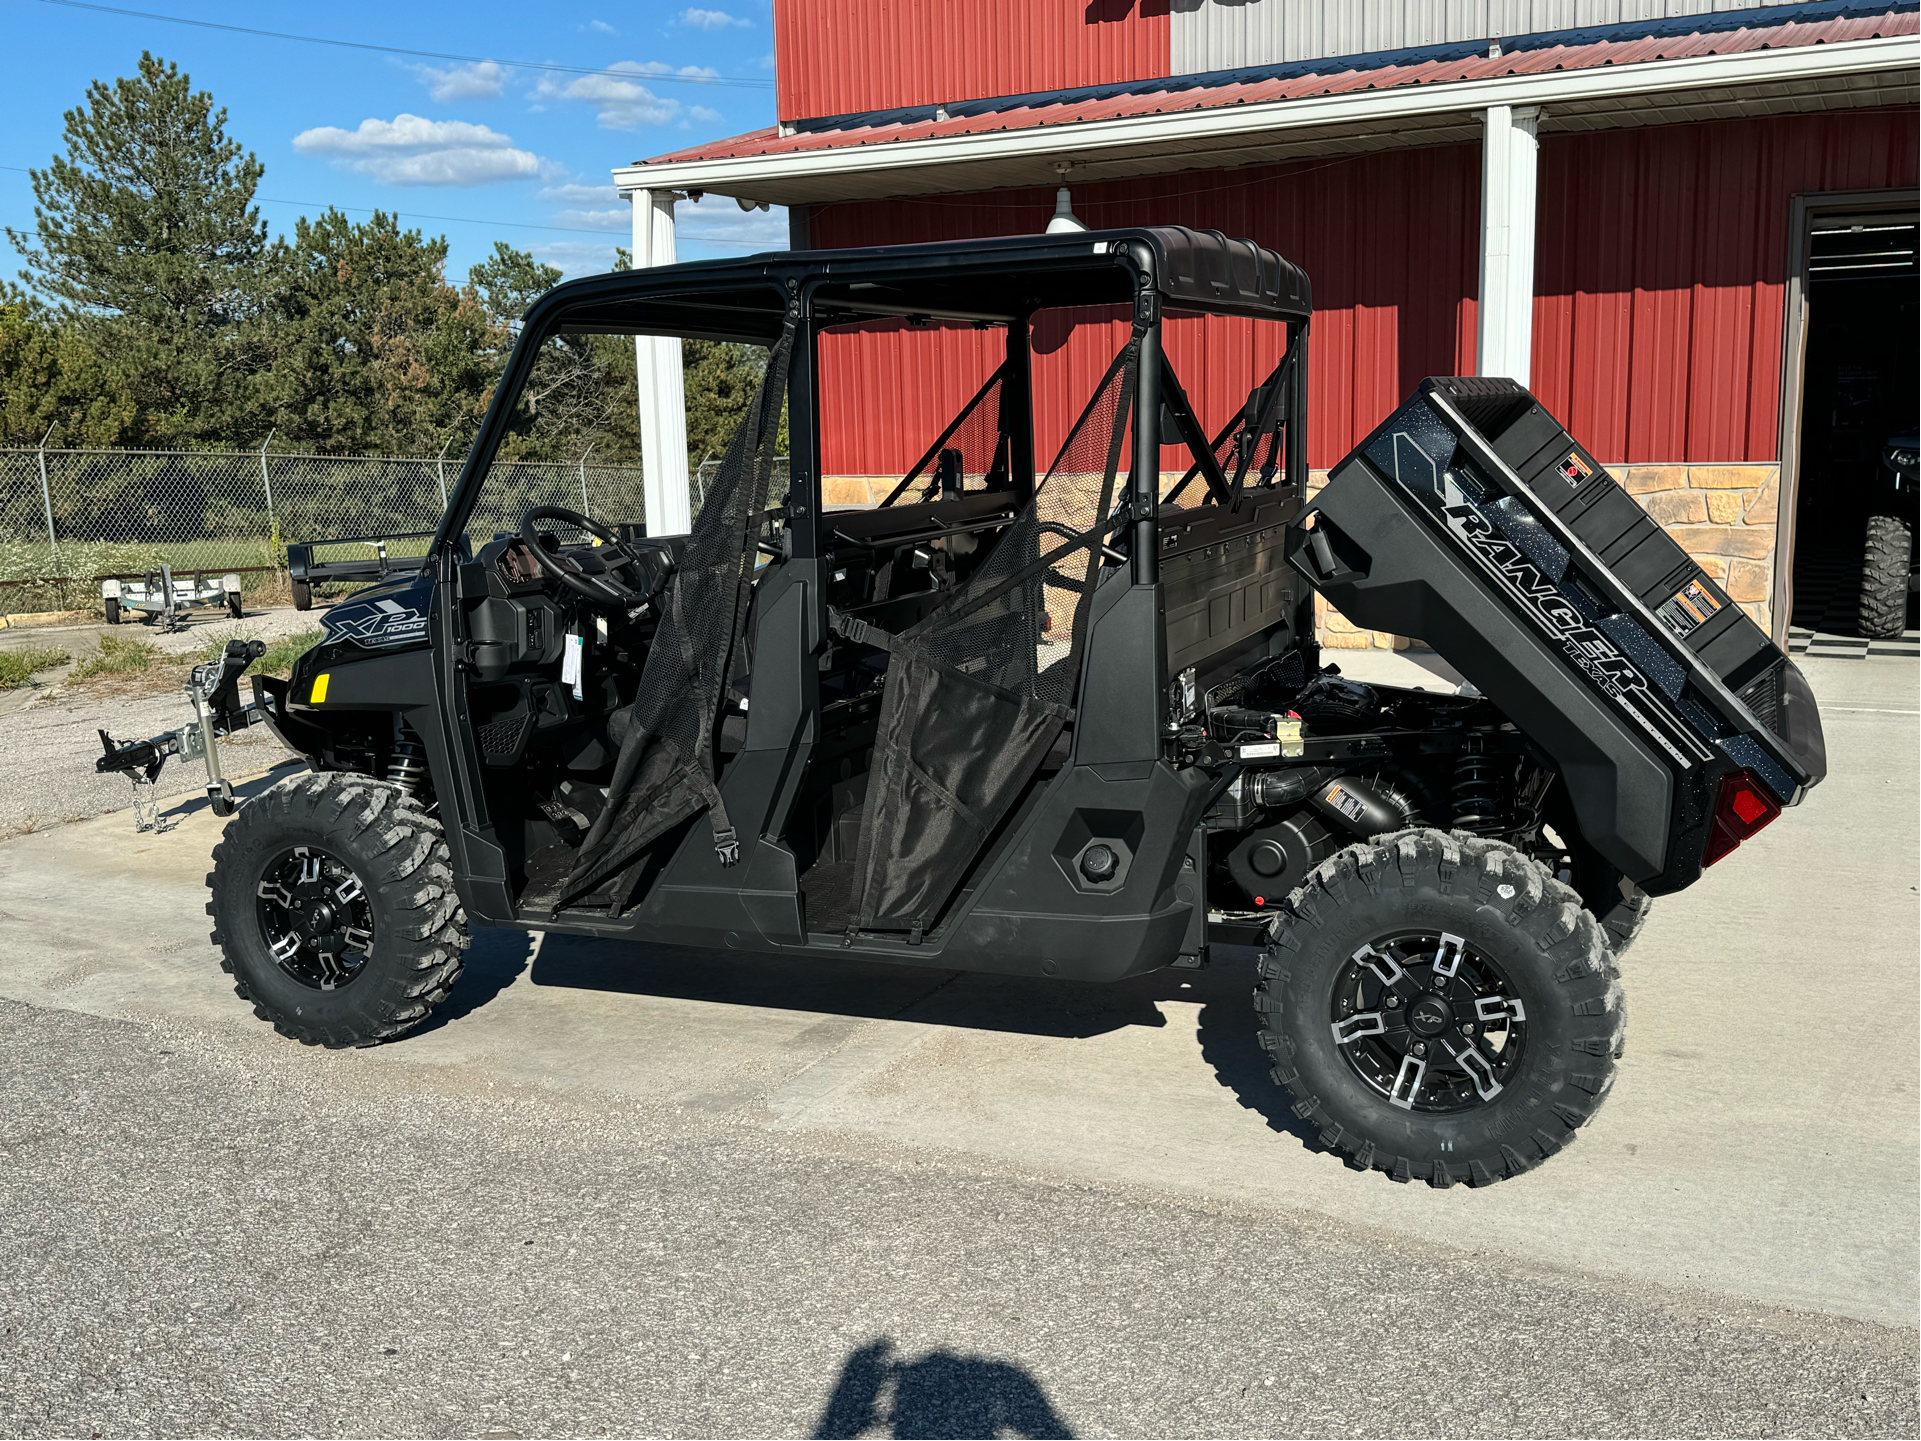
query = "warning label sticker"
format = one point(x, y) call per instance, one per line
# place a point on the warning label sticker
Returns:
point(1685, 610)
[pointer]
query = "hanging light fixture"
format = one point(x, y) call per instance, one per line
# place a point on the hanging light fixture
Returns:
point(1064, 221)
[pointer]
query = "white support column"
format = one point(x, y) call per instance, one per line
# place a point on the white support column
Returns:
point(658, 383)
point(1509, 151)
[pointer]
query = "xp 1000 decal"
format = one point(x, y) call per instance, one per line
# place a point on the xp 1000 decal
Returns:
point(399, 619)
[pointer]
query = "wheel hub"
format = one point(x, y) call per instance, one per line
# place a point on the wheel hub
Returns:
point(1430, 1015)
point(315, 917)
point(1428, 1022)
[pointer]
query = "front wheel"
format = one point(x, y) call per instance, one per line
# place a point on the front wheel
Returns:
point(113, 611)
point(1885, 562)
point(1440, 1007)
point(335, 912)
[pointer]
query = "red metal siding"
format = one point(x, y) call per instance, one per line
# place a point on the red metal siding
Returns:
point(1389, 241)
point(840, 57)
point(1660, 274)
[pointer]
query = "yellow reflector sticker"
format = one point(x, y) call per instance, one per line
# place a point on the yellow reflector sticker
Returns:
point(319, 688)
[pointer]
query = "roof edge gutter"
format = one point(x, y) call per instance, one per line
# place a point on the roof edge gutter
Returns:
point(731, 175)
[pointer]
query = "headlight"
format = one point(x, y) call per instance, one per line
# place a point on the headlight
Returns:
point(1902, 459)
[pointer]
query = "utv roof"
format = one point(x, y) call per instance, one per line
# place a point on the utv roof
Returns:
point(979, 280)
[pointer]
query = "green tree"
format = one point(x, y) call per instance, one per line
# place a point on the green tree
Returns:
point(53, 385)
point(147, 242)
point(373, 352)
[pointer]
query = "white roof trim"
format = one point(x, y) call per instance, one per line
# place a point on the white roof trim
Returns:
point(1114, 138)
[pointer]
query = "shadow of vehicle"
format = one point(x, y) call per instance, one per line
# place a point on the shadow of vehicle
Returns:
point(1067, 1010)
point(937, 1394)
point(496, 959)
point(193, 802)
point(1230, 1042)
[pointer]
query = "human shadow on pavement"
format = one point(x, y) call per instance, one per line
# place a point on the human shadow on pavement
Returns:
point(853, 987)
point(939, 1394)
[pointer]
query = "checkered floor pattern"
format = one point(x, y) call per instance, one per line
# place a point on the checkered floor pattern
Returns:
point(1827, 589)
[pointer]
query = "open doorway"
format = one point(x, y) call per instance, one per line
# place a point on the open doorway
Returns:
point(1852, 472)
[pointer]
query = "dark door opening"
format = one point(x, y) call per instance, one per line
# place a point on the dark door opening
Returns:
point(1858, 411)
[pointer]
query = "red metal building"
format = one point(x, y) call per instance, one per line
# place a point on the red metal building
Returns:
point(1634, 217)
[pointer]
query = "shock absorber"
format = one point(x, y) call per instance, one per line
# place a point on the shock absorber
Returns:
point(406, 767)
point(1480, 792)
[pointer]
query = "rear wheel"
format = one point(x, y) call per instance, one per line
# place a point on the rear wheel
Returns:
point(113, 611)
point(1884, 577)
point(233, 604)
point(302, 594)
point(1440, 1007)
point(335, 910)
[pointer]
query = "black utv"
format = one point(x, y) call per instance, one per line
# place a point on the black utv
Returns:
point(1053, 707)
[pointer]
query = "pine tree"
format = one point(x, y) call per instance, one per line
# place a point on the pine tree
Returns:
point(147, 241)
point(374, 353)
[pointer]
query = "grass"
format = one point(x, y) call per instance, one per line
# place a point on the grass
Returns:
point(19, 667)
point(280, 656)
point(122, 661)
point(128, 665)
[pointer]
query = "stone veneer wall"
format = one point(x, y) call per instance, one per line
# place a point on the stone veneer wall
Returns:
point(1725, 516)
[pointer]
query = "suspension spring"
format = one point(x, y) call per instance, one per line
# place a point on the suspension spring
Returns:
point(406, 768)
point(1480, 794)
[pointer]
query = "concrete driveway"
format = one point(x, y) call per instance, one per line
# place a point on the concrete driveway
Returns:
point(859, 1187)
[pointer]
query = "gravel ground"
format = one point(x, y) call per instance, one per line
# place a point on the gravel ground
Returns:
point(48, 739)
point(329, 1252)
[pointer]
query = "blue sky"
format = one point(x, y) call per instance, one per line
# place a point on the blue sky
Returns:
point(506, 152)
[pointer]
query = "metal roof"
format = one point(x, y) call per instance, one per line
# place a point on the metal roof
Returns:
point(1613, 49)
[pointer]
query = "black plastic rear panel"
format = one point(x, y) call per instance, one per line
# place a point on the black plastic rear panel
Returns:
point(1472, 520)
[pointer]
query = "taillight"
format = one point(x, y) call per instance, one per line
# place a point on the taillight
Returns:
point(1744, 808)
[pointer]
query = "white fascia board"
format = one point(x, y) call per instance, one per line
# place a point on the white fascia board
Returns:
point(738, 174)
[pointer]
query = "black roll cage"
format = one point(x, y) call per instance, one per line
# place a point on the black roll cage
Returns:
point(1004, 281)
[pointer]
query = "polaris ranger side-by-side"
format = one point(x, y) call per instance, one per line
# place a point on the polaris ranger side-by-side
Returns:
point(1046, 710)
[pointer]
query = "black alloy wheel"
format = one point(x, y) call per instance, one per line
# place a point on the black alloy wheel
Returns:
point(335, 910)
point(1439, 1007)
point(316, 917)
point(1428, 1022)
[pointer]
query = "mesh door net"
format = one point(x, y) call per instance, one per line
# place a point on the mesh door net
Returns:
point(664, 772)
point(977, 691)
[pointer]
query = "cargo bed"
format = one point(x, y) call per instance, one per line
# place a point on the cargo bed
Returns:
point(1472, 520)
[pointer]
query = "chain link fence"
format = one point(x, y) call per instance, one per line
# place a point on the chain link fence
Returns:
point(70, 517)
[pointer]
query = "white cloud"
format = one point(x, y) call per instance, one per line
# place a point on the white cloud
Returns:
point(619, 219)
point(412, 150)
point(720, 224)
point(573, 194)
point(703, 114)
point(576, 257)
point(620, 100)
point(481, 80)
point(713, 20)
point(601, 27)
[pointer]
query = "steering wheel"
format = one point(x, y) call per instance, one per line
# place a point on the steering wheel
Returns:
point(604, 574)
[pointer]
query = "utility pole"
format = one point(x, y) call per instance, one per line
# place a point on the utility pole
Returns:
point(583, 479)
point(440, 469)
